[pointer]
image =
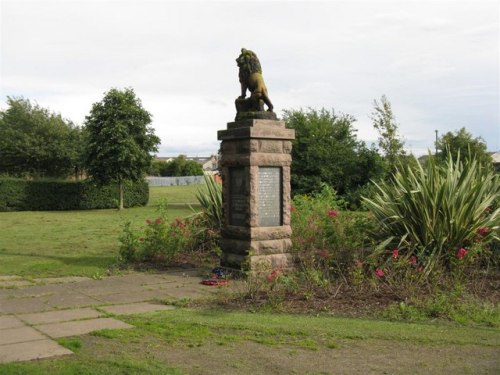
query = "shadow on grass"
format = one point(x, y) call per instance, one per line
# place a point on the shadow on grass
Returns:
point(82, 261)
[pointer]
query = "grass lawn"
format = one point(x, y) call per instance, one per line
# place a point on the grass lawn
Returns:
point(76, 243)
point(187, 341)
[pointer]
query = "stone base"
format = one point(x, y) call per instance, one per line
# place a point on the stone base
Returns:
point(255, 170)
point(247, 109)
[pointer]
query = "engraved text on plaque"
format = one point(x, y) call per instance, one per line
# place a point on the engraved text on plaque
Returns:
point(238, 197)
point(270, 197)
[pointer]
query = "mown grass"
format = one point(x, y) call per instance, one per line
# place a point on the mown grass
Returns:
point(76, 243)
point(196, 331)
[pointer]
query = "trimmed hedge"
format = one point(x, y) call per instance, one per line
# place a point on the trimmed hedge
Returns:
point(52, 195)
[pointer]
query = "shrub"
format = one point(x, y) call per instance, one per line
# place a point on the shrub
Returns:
point(324, 236)
point(210, 199)
point(432, 213)
point(38, 195)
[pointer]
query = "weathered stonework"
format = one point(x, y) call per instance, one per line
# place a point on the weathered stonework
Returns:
point(256, 153)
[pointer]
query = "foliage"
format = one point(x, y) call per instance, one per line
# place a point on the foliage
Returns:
point(161, 241)
point(47, 195)
point(35, 142)
point(389, 141)
point(210, 199)
point(454, 305)
point(461, 142)
point(326, 238)
point(180, 166)
point(327, 150)
point(120, 140)
point(431, 214)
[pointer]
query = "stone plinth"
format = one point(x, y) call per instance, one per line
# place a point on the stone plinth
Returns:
point(255, 169)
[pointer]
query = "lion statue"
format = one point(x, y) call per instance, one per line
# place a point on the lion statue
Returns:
point(250, 76)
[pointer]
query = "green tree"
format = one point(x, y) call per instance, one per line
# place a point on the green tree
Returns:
point(35, 142)
point(120, 140)
point(181, 166)
point(389, 141)
point(326, 150)
point(462, 142)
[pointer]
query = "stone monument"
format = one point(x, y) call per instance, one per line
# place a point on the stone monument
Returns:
point(255, 169)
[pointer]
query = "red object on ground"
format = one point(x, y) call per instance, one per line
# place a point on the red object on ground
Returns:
point(214, 282)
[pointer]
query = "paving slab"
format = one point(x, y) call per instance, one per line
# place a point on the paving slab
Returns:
point(70, 299)
point(19, 334)
point(23, 305)
point(59, 316)
point(80, 327)
point(121, 298)
point(10, 321)
point(135, 308)
point(26, 351)
point(36, 291)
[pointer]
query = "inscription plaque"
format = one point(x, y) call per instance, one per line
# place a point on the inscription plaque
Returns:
point(238, 197)
point(270, 200)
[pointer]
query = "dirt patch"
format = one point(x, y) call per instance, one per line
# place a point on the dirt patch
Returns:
point(344, 357)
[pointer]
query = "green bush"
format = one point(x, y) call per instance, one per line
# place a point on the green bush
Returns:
point(325, 236)
point(439, 215)
point(52, 195)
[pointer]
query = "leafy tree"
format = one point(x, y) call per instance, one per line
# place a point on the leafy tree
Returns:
point(462, 142)
point(389, 141)
point(35, 142)
point(120, 140)
point(326, 150)
point(180, 166)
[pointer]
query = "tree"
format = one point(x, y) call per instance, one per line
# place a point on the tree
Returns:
point(120, 140)
point(389, 141)
point(327, 150)
point(181, 166)
point(35, 142)
point(462, 142)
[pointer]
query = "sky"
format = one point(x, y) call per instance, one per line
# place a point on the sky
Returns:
point(436, 61)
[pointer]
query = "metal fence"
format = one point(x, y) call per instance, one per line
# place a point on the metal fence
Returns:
point(174, 181)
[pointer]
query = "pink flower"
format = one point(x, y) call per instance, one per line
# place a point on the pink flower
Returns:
point(158, 221)
point(274, 275)
point(379, 272)
point(292, 208)
point(395, 253)
point(332, 213)
point(483, 231)
point(413, 260)
point(461, 253)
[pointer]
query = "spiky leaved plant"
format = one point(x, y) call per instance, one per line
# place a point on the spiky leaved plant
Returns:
point(210, 199)
point(433, 211)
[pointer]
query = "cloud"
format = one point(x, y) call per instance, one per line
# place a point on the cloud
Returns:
point(437, 61)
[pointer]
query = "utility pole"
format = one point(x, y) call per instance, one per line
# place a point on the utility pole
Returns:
point(436, 143)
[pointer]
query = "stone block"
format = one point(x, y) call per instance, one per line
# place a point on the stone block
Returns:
point(270, 146)
point(80, 327)
point(27, 351)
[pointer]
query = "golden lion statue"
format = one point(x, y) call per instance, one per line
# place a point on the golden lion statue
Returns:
point(250, 76)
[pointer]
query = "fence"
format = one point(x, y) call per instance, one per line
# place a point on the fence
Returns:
point(174, 181)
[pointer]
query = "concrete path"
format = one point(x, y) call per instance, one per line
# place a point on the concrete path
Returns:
point(35, 313)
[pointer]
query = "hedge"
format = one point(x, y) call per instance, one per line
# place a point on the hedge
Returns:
point(52, 195)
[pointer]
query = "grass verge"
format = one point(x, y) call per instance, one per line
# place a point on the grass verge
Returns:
point(76, 243)
point(201, 341)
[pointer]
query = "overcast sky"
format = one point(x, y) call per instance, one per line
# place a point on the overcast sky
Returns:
point(436, 61)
